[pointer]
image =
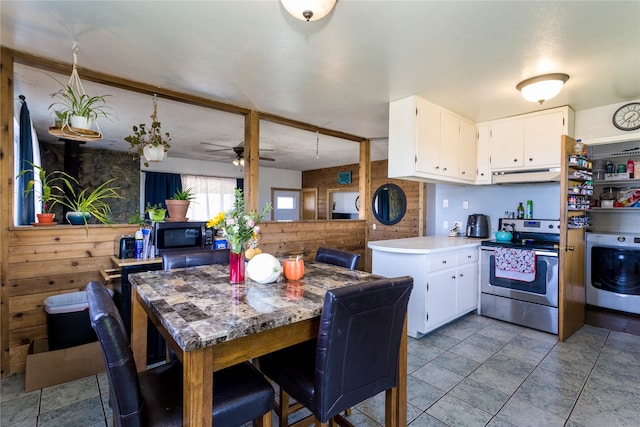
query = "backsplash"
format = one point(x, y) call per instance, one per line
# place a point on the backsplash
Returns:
point(492, 200)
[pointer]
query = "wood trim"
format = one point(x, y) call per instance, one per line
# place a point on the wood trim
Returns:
point(119, 82)
point(364, 190)
point(251, 160)
point(6, 194)
point(308, 127)
point(571, 286)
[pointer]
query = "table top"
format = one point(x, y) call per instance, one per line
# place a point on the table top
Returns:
point(199, 307)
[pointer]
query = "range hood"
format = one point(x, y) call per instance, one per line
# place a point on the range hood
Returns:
point(526, 176)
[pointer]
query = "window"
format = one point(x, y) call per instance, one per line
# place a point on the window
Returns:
point(284, 202)
point(211, 196)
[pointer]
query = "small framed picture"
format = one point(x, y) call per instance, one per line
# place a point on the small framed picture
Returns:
point(344, 177)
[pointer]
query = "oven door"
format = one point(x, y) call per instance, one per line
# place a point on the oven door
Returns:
point(542, 290)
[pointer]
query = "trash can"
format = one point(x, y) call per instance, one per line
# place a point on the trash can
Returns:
point(68, 323)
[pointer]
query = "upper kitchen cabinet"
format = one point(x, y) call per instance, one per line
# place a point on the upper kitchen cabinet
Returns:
point(483, 168)
point(427, 142)
point(529, 141)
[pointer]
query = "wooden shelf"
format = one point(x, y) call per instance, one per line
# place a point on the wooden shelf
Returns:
point(74, 134)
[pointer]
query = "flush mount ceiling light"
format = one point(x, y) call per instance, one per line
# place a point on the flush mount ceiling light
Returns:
point(542, 88)
point(308, 10)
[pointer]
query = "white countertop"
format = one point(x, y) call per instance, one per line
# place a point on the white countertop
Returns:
point(424, 244)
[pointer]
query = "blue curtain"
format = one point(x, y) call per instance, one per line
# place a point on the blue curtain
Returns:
point(160, 186)
point(26, 205)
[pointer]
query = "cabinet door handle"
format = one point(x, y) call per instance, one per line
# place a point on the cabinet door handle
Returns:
point(531, 159)
point(515, 160)
point(453, 277)
point(469, 256)
point(463, 172)
point(461, 275)
point(444, 261)
point(437, 167)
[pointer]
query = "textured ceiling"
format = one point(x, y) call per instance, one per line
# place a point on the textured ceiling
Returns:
point(339, 73)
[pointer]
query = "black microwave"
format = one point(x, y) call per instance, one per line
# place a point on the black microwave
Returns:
point(181, 236)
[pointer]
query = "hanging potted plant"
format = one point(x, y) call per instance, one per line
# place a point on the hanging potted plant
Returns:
point(179, 204)
point(149, 143)
point(78, 109)
point(49, 191)
point(86, 204)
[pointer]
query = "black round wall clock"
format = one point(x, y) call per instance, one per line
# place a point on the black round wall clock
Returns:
point(627, 117)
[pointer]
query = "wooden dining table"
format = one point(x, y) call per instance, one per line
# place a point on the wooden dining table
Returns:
point(211, 324)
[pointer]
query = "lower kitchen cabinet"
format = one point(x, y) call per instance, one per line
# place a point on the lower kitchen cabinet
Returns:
point(445, 283)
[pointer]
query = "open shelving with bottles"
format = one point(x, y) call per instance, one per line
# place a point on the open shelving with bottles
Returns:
point(579, 190)
point(619, 187)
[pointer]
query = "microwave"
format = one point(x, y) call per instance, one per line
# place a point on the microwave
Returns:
point(182, 236)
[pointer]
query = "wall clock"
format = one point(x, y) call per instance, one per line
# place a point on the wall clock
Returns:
point(627, 117)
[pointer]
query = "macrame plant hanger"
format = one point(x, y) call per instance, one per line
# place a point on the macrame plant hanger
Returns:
point(76, 85)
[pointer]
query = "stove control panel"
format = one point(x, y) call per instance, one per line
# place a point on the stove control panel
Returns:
point(549, 226)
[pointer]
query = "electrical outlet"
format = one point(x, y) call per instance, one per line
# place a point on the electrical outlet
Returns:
point(457, 224)
point(445, 203)
point(465, 204)
point(373, 226)
point(445, 224)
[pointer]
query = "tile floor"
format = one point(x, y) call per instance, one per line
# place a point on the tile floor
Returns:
point(474, 372)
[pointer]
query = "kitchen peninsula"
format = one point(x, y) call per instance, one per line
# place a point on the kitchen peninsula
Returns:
point(445, 276)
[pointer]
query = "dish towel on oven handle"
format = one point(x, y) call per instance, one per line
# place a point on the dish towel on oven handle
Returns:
point(515, 264)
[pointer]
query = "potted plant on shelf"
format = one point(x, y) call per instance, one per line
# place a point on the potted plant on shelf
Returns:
point(156, 212)
point(49, 190)
point(78, 109)
point(85, 204)
point(149, 143)
point(178, 204)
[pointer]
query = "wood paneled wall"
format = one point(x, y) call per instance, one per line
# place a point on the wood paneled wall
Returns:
point(284, 239)
point(46, 261)
point(37, 262)
point(327, 179)
point(411, 225)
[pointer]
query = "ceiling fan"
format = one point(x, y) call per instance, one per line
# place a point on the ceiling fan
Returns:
point(238, 150)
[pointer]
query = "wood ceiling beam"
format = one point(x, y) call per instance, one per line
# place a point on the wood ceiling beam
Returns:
point(62, 67)
point(133, 86)
point(308, 127)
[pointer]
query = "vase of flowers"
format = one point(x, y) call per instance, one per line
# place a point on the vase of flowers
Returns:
point(238, 227)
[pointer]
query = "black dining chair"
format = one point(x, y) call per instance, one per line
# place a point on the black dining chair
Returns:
point(346, 259)
point(154, 397)
point(185, 259)
point(355, 356)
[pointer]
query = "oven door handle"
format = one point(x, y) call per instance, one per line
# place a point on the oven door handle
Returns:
point(538, 252)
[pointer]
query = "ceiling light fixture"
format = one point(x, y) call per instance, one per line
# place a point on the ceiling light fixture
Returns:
point(238, 161)
point(308, 10)
point(542, 88)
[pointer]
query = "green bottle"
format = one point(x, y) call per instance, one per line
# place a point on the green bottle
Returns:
point(520, 211)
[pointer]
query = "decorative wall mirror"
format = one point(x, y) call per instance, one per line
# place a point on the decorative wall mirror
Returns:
point(389, 204)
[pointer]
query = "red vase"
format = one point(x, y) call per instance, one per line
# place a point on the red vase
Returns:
point(236, 268)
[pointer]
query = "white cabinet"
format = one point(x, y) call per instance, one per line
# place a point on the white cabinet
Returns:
point(445, 284)
point(467, 151)
point(529, 141)
point(506, 144)
point(430, 143)
point(483, 168)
